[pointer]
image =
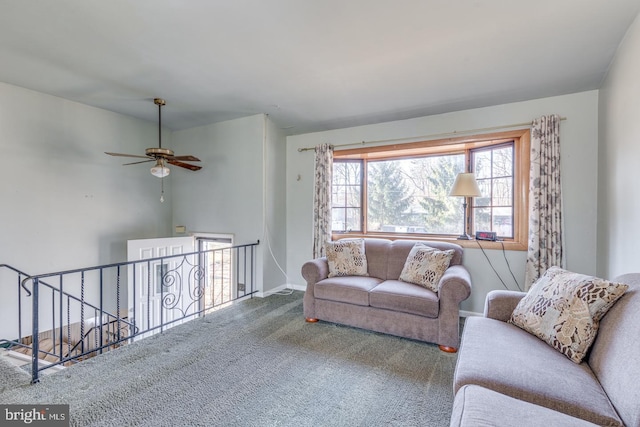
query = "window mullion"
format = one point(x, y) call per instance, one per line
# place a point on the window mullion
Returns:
point(468, 226)
point(364, 179)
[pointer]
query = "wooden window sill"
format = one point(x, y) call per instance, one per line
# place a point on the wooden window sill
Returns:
point(508, 245)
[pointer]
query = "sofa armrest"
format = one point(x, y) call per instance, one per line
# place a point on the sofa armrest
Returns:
point(455, 284)
point(500, 304)
point(454, 287)
point(315, 270)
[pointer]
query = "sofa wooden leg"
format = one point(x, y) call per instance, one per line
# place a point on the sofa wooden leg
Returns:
point(447, 349)
point(311, 319)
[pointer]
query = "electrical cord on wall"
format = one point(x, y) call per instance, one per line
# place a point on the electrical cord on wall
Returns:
point(265, 223)
point(493, 268)
point(504, 253)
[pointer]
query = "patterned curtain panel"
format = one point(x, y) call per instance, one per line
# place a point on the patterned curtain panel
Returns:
point(322, 198)
point(545, 200)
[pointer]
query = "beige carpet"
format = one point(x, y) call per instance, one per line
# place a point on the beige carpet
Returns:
point(256, 363)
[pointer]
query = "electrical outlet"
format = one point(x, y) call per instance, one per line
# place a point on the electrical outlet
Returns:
point(241, 287)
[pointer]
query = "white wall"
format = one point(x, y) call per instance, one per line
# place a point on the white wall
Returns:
point(64, 204)
point(619, 160)
point(579, 142)
point(226, 196)
point(61, 194)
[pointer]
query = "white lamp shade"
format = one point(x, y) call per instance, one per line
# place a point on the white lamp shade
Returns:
point(465, 185)
point(160, 170)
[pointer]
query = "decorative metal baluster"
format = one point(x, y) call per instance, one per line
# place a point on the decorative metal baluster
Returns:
point(82, 349)
point(253, 272)
point(213, 281)
point(95, 331)
point(133, 332)
point(101, 340)
point(53, 321)
point(19, 308)
point(35, 349)
point(68, 325)
point(148, 295)
point(118, 303)
point(61, 305)
point(162, 279)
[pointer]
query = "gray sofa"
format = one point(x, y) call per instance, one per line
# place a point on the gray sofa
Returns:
point(382, 303)
point(507, 377)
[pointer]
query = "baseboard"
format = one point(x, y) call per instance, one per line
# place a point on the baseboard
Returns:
point(464, 313)
point(282, 288)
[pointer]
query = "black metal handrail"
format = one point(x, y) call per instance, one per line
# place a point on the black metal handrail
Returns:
point(177, 292)
point(22, 283)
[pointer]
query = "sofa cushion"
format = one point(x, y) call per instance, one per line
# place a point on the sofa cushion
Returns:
point(399, 251)
point(346, 258)
point(377, 251)
point(564, 310)
point(476, 406)
point(348, 289)
point(506, 359)
point(425, 266)
point(405, 297)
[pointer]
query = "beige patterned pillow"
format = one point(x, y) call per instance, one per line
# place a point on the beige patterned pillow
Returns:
point(346, 258)
point(425, 266)
point(564, 310)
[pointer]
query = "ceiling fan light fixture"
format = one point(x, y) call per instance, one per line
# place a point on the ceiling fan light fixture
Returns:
point(160, 170)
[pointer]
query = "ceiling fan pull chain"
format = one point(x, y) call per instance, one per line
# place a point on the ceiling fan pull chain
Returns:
point(162, 190)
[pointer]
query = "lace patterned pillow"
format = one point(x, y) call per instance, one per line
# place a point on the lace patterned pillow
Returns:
point(564, 310)
point(425, 266)
point(346, 258)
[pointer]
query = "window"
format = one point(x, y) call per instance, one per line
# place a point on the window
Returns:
point(403, 190)
point(410, 195)
point(346, 196)
point(493, 211)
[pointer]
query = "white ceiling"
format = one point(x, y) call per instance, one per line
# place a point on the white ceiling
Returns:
point(310, 64)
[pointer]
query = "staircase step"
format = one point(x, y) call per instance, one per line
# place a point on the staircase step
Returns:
point(11, 372)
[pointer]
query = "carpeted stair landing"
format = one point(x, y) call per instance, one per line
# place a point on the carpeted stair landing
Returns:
point(256, 363)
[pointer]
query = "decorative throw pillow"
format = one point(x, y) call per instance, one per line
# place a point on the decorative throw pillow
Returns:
point(564, 310)
point(425, 266)
point(346, 258)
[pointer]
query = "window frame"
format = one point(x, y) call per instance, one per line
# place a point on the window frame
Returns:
point(473, 205)
point(521, 146)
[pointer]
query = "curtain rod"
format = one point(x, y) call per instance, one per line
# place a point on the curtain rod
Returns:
point(361, 143)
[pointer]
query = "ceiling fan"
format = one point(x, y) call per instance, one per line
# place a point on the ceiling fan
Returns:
point(160, 155)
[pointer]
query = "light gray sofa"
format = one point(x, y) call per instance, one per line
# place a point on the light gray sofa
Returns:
point(382, 303)
point(508, 377)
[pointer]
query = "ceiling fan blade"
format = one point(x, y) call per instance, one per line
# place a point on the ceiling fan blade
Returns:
point(183, 165)
point(127, 155)
point(136, 163)
point(185, 158)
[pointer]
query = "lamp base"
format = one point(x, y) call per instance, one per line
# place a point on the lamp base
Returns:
point(464, 237)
